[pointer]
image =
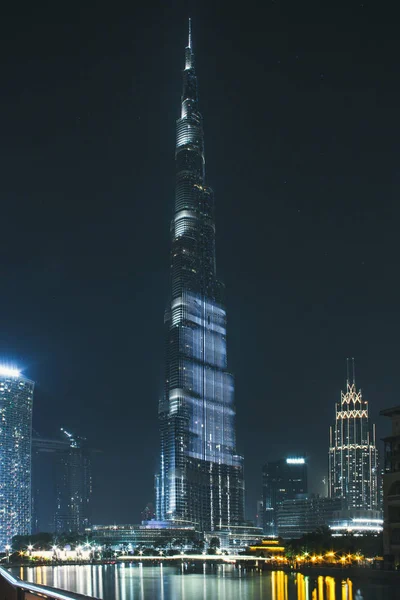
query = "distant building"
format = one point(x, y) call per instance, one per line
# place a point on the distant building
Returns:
point(73, 486)
point(284, 479)
point(62, 484)
point(260, 514)
point(237, 537)
point(149, 513)
point(391, 490)
point(297, 517)
point(268, 548)
point(345, 524)
point(16, 399)
point(45, 461)
point(152, 534)
point(353, 456)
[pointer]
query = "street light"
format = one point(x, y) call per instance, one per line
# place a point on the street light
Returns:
point(30, 548)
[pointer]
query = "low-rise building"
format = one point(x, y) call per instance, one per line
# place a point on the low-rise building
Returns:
point(268, 548)
point(297, 517)
point(357, 523)
point(149, 534)
point(236, 537)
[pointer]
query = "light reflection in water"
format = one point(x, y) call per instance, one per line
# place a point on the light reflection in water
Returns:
point(273, 585)
point(320, 588)
point(301, 587)
point(304, 584)
point(161, 581)
point(279, 585)
point(350, 586)
point(141, 582)
point(122, 580)
point(330, 588)
point(223, 582)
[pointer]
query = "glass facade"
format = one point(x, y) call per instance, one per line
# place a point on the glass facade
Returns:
point(73, 486)
point(201, 476)
point(44, 468)
point(284, 479)
point(298, 517)
point(353, 456)
point(61, 484)
point(16, 398)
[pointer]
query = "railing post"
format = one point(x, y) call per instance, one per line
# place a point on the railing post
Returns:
point(20, 594)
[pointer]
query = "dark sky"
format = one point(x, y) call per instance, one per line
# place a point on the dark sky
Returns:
point(301, 112)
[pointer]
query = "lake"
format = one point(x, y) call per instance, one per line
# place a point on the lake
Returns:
point(222, 582)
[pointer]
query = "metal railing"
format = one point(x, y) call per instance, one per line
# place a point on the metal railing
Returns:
point(13, 588)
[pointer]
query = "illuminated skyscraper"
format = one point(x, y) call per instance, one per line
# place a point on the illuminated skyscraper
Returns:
point(201, 476)
point(16, 398)
point(353, 456)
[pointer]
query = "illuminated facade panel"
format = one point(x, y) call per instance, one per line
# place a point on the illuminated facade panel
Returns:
point(201, 476)
point(353, 456)
point(16, 398)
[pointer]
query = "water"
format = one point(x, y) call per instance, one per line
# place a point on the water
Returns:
point(222, 582)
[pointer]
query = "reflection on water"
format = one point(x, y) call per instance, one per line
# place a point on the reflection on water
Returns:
point(222, 582)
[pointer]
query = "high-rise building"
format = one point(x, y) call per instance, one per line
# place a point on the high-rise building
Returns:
point(391, 490)
point(73, 486)
point(353, 456)
point(16, 399)
point(283, 479)
point(45, 463)
point(201, 475)
point(61, 484)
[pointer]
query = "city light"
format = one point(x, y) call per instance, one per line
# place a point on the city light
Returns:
point(295, 461)
point(8, 372)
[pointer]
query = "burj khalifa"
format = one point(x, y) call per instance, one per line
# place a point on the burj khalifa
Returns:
point(200, 479)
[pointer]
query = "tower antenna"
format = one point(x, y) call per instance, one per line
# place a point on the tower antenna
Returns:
point(190, 34)
point(348, 374)
point(354, 371)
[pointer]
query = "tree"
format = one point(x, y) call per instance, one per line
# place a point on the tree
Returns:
point(40, 541)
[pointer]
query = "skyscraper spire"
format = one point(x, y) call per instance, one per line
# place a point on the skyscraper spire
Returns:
point(190, 34)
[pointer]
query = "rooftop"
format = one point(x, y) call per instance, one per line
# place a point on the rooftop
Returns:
point(390, 412)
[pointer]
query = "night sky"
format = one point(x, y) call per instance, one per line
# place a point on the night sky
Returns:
point(301, 114)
